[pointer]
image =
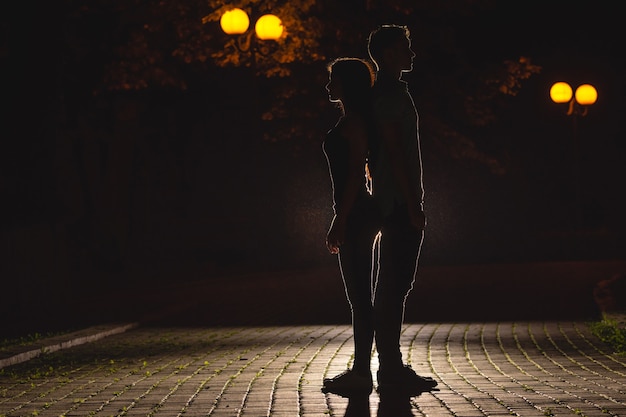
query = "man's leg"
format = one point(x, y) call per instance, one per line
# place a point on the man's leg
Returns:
point(399, 253)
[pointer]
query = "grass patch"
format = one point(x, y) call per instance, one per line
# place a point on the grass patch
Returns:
point(610, 331)
point(29, 339)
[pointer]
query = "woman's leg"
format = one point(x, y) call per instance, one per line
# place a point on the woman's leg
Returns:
point(355, 258)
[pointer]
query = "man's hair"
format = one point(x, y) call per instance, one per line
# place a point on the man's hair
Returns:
point(383, 38)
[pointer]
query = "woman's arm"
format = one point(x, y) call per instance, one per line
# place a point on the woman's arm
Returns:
point(354, 131)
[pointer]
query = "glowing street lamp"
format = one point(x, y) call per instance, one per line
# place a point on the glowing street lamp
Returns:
point(585, 95)
point(268, 27)
point(561, 92)
point(237, 22)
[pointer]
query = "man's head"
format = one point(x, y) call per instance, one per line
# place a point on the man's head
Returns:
point(389, 47)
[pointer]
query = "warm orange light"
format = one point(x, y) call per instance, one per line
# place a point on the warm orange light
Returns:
point(268, 26)
point(235, 22)
point(586, 95)
point(561, 92)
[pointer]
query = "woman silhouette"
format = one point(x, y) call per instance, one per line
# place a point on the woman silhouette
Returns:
point(356, 222)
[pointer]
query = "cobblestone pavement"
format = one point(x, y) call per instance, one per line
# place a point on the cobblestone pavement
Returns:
point(524, 368)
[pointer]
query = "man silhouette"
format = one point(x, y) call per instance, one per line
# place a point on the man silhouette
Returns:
point(396, 169)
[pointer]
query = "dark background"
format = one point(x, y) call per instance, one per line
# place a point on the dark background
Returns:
point(193, 169)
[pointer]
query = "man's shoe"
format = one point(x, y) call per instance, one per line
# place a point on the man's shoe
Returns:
point(405, 380)
point(348, 383)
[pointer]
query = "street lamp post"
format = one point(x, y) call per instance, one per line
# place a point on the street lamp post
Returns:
point(578, 106)
point(268, 29)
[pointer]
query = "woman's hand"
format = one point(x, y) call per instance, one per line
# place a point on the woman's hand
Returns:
point(418, 219)
point(416, 215)
point(336, 235)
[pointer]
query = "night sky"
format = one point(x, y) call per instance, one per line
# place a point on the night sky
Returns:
point(121, 186)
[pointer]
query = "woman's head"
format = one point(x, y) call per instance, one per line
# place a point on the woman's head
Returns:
point(350, 81)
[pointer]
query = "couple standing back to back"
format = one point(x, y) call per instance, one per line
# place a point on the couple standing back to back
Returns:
point(373, 155)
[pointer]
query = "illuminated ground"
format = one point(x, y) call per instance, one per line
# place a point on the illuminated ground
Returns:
point(526, 368)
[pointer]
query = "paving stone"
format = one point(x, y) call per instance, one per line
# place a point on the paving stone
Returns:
point(483, 369)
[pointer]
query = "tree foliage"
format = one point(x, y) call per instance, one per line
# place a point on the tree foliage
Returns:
point(299, 42)
point(154, 45)
point(158, 44)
